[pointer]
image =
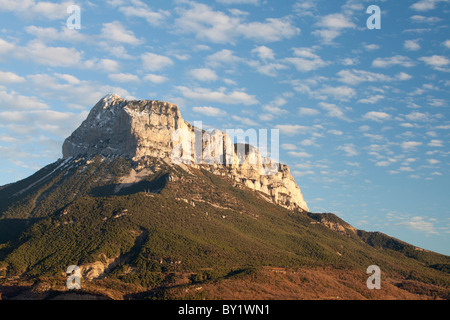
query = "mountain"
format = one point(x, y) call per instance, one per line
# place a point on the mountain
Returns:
point(151, 207)
point(140, 130)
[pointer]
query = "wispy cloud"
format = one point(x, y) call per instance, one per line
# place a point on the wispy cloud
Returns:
point(419, 224)
point(393, 61)
point(377, 116)
point(349, 149)
point(437, 62)
point(215, 26)
point(218, 96)
point(209, 111)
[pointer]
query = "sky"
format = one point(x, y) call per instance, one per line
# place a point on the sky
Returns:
point(363, 113)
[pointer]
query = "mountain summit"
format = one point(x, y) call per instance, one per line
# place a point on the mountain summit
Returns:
point(139, 129)
point(135, 129)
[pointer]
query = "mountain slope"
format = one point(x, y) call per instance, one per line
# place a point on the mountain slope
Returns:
point(146, 227)
point(175, 222)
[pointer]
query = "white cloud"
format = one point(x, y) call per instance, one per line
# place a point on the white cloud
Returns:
point(205, 23)
point(407, 145)
point(292, 129)
point(268, 69)
point(349, 61)
point(141, 10)
point(433, 161)
point(10, 77)
point(333, 110)
point(107, 65)
point(18, 6)
point(357, 76)
point(418, 18)
point(305, 65)
point(155, 78)
point(51, 34)
point(115, 49)
point(155, 62)
point(436, 62)
point(50, 10)
point(36, 9)
point(308, 112)
point(419, 224)
point(372, 99)
point(230, 82)
point(116, 32)
point(245, 121)
point(49, 56)
point(341, 93)
point(273, 109)
point(304, 7)
point(55, 123)
point(204, 74)
point(123, 77)
point(218, 27)
point(364, 128)
point(349, 149)
point(425, 5)
point(85, 93)
point(220, 96)
point(335, 21)
point(327, 35)
point(255, 2)
point(403, 76)
point(373, 137)
point(304, 173)
point(412, 45)
point(306, 60)
point(377, 116)
point(6, 47)
point(336, 132)
point(264, 53)
point(68, 78)
point(383, 163)
point(308, 142)
point(407, 125)
point(308, 164)
point(300, 154)
point(332, 25)
point(393, 61)
point(270, 30)
point(13, 101)
point(436, 143)
point(223, 57)
point(371, 47)
point(445, 43)
point(288, 146)
point(210, 111)
point(417, 116)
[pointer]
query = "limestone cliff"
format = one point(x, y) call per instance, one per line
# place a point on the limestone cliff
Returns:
point(146, 128)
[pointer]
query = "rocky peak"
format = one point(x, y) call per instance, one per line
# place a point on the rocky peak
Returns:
point(146, 128)
point(134, 128)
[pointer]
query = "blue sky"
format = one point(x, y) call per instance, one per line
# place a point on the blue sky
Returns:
point(363, 114)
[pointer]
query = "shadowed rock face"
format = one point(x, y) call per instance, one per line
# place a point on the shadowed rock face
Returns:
point(145, 128)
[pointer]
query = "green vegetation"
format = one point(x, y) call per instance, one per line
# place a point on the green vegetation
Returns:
point(198, 224)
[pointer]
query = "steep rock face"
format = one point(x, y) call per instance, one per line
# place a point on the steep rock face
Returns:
point(128, 128)
point(145, 128)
